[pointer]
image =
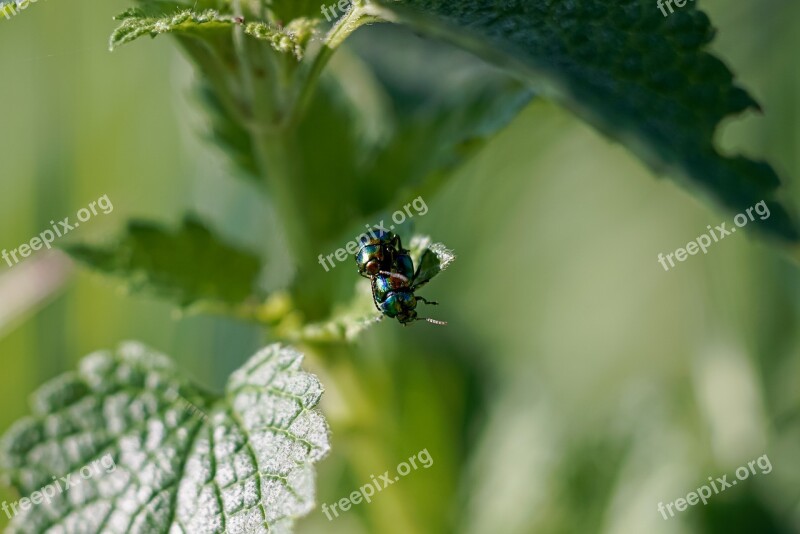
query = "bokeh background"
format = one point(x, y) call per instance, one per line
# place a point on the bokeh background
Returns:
point(578, 384)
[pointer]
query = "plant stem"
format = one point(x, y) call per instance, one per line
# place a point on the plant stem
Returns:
point(274, 132)
point(353, 19)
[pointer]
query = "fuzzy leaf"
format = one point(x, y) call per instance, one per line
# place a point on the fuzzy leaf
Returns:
point(190, 265)
point(293, 38)
point(135, 24)
point(640, 77)
point(430, 259)
point(172, 458)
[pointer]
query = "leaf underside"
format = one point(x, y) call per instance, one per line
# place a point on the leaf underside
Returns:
point(641, 78)
point(172, 458)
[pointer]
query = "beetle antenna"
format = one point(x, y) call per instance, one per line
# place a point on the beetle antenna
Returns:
point(432, 321)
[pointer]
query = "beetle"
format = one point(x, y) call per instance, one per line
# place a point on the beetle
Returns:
point(376, 252)
point(394, 291)
point(382, 258)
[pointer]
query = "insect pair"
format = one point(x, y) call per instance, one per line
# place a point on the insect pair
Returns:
point(382, 258)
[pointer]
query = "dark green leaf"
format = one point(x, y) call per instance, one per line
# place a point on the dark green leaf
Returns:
point(442, 111)
point(190, 265)
point(641, 78)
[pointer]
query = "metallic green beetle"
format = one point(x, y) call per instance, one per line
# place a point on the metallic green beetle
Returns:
point(376, 252)
point(393, 292)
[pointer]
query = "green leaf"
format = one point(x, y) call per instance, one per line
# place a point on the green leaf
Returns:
point(292, 38)
point(641, 78)
point(135, 24)
point(440, 113)
point(172, 458)
point(190, 265)
point(227, 133)
point(430, 259)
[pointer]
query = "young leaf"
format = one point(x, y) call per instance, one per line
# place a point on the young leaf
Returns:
point(430, 259)
point(135, 24)
point(162, 455)
point(642, 78)
point(190, 265)
point(293, 38)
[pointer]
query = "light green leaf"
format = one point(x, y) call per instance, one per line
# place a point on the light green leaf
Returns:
point(135, 24)
point(165, 456)
point(292, 38)
point(190, 265)
point(640, 77)
point(430, 259)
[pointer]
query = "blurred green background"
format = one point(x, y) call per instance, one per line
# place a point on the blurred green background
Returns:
point(577, 385)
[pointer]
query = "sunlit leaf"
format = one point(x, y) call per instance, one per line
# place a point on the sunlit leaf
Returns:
point(163, 455)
